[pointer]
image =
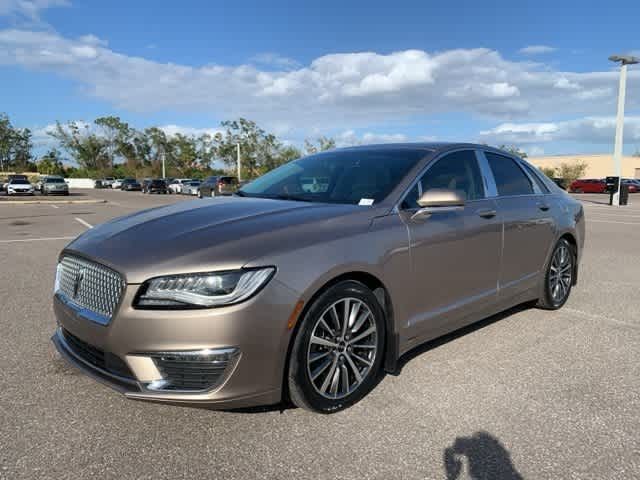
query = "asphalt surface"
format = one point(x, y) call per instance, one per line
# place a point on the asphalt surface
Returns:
point(527, 394)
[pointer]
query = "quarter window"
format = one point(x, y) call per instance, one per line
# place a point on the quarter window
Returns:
point(509, 177)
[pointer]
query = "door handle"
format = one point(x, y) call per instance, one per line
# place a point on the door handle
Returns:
point(486, 213)
point(543, 206)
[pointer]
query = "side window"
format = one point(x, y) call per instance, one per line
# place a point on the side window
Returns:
point(456, 171)
point(510, 179)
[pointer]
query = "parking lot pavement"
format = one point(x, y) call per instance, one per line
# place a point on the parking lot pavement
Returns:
point(529, 393)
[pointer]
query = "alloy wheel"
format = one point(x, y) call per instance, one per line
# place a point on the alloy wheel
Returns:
point(560, 274)
point(342, 348)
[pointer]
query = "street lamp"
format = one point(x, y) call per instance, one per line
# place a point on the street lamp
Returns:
point(624, 60)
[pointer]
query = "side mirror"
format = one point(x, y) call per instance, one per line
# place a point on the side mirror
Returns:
point(441, 197)
point(438, 200)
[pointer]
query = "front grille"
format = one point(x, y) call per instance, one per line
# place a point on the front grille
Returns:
point(106, 361)
point(90, 285)
point(189, 373)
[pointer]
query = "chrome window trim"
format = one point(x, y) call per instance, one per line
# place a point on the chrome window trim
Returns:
point(487, 174)
point(397, 207)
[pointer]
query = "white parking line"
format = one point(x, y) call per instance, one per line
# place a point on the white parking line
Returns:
point(608, 221)
point(42, 239)
point(54, 206)
point(86, 224)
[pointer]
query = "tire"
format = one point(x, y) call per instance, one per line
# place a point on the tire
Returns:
point(199, 194)
point(338, 360)
point(555, 292)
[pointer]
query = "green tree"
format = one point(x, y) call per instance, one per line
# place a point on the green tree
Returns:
point(22, 145)
point(320, 145)
point(88, 149)
point(513, 150)
point(548, 171)
point(51, 163)
point(6, 141)
point(571, 171)
point(258, 149)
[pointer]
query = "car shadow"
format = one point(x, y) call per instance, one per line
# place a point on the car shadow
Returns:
point(485, 458)
point(425, 347)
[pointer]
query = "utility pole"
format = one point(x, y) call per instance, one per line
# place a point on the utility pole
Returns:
point(239, 165)
point(617, 149)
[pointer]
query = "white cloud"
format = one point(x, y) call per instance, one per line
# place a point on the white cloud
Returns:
point(597, 130)
point(28, 10)
point(274, 60)
point(171, 130)
point(350, 138)
point(536, 49)
point(344, 91)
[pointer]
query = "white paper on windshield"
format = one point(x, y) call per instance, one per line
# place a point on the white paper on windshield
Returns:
point(366, 201)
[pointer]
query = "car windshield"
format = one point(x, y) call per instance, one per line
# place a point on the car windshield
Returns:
point(351, 176)
point(54, 180)
point(19, 181)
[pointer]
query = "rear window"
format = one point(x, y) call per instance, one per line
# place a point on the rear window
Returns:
point(509, 177)
point(536, 178)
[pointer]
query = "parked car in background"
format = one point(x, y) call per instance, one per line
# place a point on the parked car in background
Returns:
point(38, 185)
point(633, 184)
point(282, 292)
point(191, 188)
point(218, 185)
point(54, 186)
point(130, 184)
point(19, 186)
point(588, 185)
point(117, 183)
point(155, 186)
point(13, 176)
point(97, 183)
point(145, 182)
point(176, 185)
point(107, 182)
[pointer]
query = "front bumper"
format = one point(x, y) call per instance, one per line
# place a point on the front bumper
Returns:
point(255, 331)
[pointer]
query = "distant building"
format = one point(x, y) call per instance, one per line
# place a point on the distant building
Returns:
point(598, 166)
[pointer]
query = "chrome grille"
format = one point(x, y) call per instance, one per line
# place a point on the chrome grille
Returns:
point(89, 285)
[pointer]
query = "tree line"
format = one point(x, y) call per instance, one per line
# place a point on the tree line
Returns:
point(112, 147)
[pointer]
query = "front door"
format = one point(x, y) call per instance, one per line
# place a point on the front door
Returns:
point(455, 255)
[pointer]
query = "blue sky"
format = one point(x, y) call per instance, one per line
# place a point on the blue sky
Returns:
point(534, 74)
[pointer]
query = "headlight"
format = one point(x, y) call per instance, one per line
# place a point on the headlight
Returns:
point(203, 289)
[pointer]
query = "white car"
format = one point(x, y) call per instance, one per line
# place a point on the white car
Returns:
point(191, 188)
point(18, 186)
point(177, 184)
point(117, 183)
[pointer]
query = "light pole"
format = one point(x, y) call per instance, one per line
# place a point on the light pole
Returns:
point(624, 60)
point(238, 156)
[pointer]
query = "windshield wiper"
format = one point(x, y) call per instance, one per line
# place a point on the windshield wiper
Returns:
point(284, 196)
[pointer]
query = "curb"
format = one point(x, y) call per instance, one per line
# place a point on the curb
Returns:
point(47, 202)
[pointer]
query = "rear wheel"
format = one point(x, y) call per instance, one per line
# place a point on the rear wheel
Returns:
point(337, 353)
point(559, 277)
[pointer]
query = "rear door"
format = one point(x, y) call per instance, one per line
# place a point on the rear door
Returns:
point(528, 226)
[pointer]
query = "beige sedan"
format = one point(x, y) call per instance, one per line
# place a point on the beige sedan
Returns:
point(286, 292)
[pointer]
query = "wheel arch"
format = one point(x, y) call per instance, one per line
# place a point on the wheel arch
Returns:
point(381, 292)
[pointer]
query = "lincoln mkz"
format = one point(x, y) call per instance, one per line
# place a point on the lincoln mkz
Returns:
point(314, 279)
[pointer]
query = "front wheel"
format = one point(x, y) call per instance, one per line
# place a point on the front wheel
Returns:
point(338, 349)
point(559, 277)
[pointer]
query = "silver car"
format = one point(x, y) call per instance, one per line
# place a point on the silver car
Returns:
point(315, 278)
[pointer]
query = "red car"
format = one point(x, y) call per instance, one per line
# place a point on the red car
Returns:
point(588, 186)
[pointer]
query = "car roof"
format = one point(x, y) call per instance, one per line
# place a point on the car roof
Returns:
point(427, 147)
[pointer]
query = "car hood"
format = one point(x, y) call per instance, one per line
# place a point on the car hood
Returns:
point(213, 234)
